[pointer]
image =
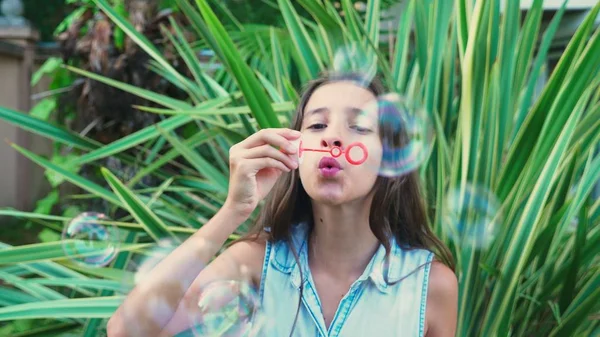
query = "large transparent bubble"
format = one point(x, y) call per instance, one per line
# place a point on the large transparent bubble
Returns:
point(142, 267)
point(354, 58)
point(472, 217)
point(406, 134)
point(89, 240)
point(226, 309)
point(230, 308)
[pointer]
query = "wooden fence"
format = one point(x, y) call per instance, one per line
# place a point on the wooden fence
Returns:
point(22, 183)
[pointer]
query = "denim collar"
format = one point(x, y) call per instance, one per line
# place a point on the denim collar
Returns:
point(284, 261)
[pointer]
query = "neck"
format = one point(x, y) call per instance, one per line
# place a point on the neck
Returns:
point(342, 243)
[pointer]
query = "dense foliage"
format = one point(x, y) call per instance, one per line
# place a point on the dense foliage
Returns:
point(472, 69)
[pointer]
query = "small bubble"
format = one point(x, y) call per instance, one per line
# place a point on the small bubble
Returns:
point(227, 308)
point(472, 217)
point(89, 243)
point(152, 258)
point(354, 59)
point(143, 262)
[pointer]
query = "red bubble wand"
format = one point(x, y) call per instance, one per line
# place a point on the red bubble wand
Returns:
point(337, 151)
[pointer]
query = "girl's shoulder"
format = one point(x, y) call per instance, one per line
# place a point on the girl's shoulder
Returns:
point(248, 256)
point(251, 252)
point(442, 301)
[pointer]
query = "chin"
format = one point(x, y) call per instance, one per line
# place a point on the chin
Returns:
point(327, 192)
point(334, 195)
point(335, 191)
point(330, 199)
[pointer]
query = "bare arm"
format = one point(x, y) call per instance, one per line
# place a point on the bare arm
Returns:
point(255, 165)
point(242, 261)
point(152, 304)
point(442, 302)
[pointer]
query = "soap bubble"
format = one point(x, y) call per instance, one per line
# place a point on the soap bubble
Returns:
point(355, 59)
point(152, 258)
point(143, 265)
point(89, 243)
point(144, 261)
point(228, 308)
point(406, 134)
point(154, 311)
point(473, 217)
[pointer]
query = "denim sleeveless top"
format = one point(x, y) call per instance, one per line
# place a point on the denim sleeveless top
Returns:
point(372, 306)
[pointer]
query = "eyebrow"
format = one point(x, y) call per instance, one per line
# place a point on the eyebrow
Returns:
point(351, 110)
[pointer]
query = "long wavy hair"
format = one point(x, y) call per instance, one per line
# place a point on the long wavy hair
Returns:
point(397, 209)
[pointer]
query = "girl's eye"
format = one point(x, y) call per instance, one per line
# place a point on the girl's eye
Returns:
point(361, 129)
point(317, 126)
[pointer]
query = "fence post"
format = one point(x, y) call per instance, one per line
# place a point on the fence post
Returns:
point(17, 51)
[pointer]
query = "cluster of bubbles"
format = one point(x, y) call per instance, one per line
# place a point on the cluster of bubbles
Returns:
point(224, 308)
point(88, 241)
point(472, 216)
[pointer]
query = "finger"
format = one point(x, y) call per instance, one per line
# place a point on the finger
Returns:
point(268, 151)
point(258, 164)
point(277, 137)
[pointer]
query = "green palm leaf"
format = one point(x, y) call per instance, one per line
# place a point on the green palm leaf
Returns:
point(101, 307)
point(152, 224)
point(253, 93)
point(47, 130)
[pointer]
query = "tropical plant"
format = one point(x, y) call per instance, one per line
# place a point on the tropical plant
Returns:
point(472, 65)
point(89, 41)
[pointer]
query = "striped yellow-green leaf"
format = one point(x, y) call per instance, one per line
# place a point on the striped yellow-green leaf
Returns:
point(204, 167)
point(146, 134)
point(46, 251)
point(306, 51)
point(152, 224)
point(143, 93)
point(70, 176)
point(46, 129)
point(497, 316)
point(100, 307)
point(254, 94)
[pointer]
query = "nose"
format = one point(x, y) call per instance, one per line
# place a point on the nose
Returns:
point(331, 141)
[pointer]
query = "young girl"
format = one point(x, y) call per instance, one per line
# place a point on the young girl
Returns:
point(337, 250)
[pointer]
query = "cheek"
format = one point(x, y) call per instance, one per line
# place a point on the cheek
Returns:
point(375, 154)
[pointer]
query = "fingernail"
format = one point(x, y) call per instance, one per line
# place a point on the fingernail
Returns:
point(291, 149)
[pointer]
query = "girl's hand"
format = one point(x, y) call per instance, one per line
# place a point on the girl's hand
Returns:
point(255, 165)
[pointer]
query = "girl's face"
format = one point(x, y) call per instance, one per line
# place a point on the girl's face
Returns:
point(337, 115)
